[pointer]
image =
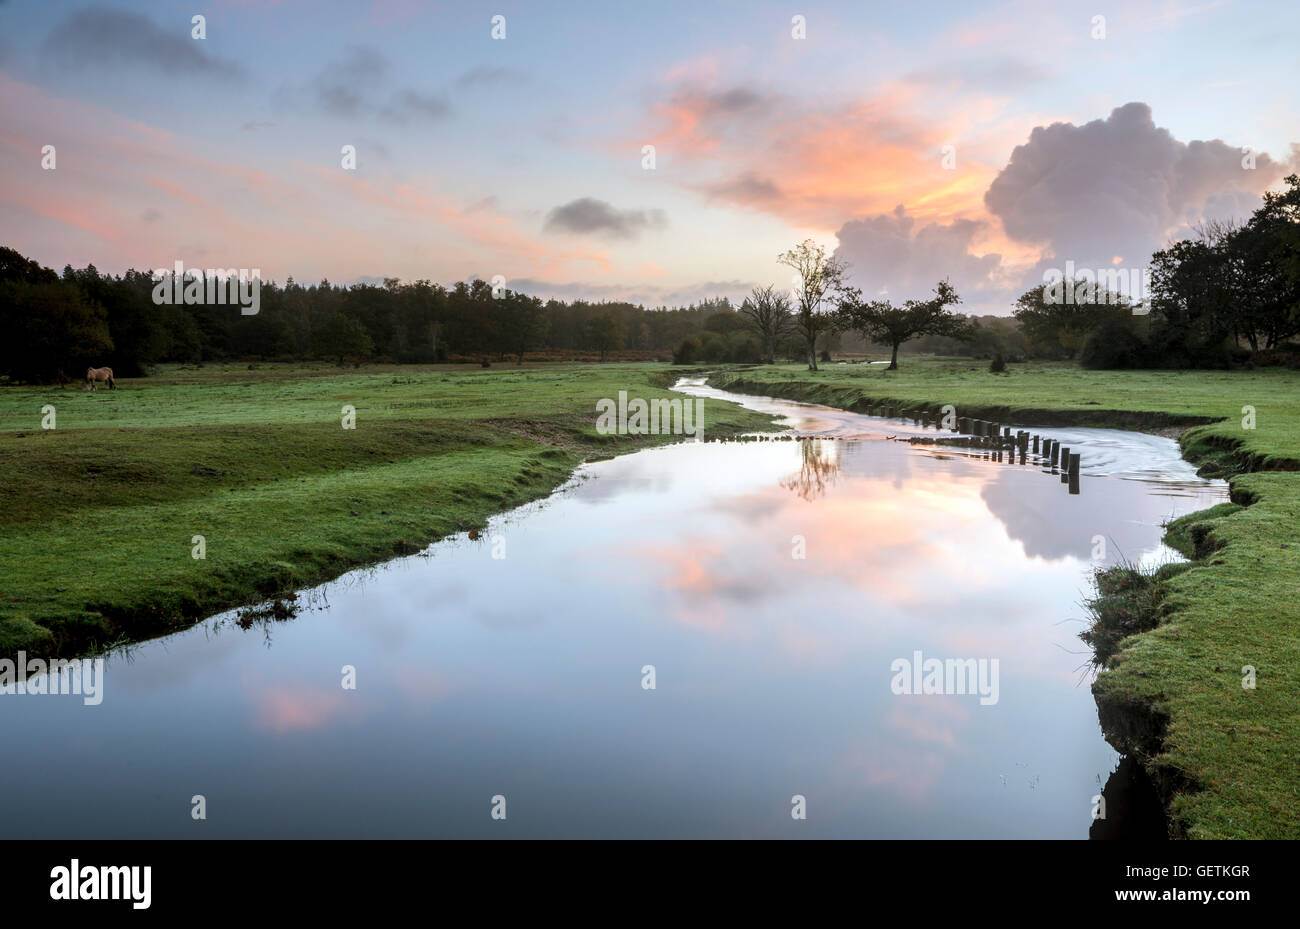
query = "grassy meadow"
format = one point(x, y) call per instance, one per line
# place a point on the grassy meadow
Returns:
point(1229, 756)
point(100, 512)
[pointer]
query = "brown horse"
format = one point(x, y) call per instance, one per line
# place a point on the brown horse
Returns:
point(94, 375)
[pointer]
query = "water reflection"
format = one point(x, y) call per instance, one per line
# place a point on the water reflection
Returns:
point(522, 676)
point(818, 468)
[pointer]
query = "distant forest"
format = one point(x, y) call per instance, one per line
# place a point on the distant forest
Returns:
point(62, 324)
point(1229, 296)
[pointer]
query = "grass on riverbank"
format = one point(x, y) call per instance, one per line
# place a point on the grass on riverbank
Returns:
point(99, 513)
point(1227, 756)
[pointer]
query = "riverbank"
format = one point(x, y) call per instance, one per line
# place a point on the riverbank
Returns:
point(1224, 757)
point(102, 513)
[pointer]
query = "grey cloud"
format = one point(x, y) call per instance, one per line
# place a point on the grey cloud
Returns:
point(353, 87)
point(410, 103)
point(1118, 186)
point(342, 87)
point(747, 190)
point(107, 37)
point(586, 216)
point(736, 100)
point(722, 104)
point(888, 255)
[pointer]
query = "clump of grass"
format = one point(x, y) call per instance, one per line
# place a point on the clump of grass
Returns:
point(1130, 600)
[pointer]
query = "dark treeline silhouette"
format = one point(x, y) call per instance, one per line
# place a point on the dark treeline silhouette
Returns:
point(59, 325)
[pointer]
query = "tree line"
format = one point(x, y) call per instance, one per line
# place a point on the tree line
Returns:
point(61, 324)
point(1228, 295)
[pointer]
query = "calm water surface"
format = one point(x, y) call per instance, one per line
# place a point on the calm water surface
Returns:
point(521, 676)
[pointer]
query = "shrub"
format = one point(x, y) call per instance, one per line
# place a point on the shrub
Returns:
point(1114, 343)
point(686, 353)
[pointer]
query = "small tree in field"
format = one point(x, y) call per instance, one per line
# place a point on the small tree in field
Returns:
point(820, 277)
point(881, 321)
point(769, 313)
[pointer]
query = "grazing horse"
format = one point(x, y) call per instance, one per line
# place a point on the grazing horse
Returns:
point(94, 375)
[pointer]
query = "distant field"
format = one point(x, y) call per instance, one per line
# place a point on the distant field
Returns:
point(1233, 754)
point(99, 513)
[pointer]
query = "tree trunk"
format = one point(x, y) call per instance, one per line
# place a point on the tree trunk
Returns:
point(812, 354)
point(893, 359)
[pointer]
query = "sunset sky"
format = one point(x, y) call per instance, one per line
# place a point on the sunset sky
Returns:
point(523, 156)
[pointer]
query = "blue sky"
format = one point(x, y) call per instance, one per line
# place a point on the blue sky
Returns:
point(523, 157)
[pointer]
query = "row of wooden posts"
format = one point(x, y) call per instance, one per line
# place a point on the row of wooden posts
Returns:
point(997, 439)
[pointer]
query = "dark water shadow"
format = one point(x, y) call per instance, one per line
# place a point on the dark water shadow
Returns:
point(1134, 812)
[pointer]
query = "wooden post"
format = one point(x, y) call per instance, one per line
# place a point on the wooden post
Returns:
point(1035, 445)
point(1053, 451)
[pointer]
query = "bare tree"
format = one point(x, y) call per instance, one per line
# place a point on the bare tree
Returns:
point(768, 310)
point(819, 277)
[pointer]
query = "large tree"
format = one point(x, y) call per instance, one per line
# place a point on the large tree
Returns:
point(604, 335)
point(340, 336)
point(1057, 328)
point(881, 321)
point(523, 323)
point(768, 311)
point(820, 277)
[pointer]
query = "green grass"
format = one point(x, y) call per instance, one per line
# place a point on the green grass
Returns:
point(1228, 758)
point(99, 513)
